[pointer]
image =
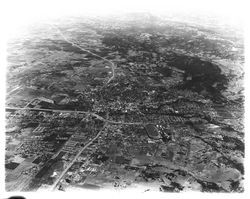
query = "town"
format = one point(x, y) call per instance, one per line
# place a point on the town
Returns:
point(110, 107)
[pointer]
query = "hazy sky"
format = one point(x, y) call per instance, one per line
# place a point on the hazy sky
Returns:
point(22, 11)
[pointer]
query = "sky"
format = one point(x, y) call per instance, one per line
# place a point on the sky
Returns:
point(23, 11)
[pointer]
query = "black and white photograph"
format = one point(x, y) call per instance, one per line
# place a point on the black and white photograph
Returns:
point(144, 97)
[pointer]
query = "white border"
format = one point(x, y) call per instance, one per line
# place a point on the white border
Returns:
point(19, 12)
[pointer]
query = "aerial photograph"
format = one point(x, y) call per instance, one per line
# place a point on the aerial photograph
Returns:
point(129, 101)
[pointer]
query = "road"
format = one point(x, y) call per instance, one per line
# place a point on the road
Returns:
point(113, 66)
point(14, 89)
point(72, 111)
point(85, 50)
point(75, 158)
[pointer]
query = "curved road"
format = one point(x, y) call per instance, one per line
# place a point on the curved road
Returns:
point(88, 113)
point(85, 50)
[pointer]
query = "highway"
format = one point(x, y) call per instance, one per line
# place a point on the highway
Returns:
point(75, 158)
point(85, 50)
point(54, 186)
point(14, 89)
point(75, 111)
